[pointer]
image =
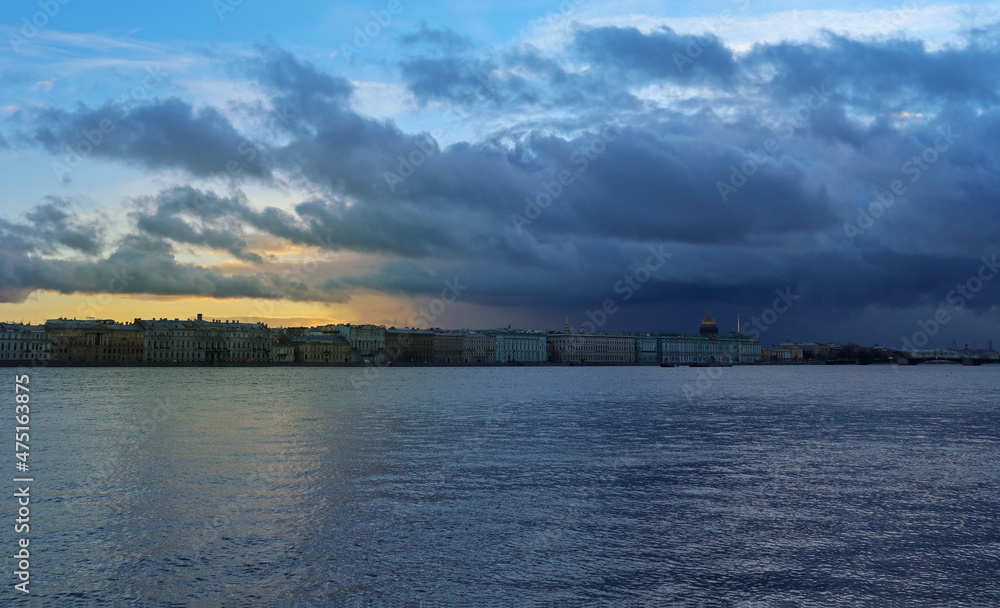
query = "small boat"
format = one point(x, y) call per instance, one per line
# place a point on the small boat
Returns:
point(667, 364)
point(710, 364)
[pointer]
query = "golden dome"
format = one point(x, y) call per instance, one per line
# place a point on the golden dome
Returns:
point(708, 326)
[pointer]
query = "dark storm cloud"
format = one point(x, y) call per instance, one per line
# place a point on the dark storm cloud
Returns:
point(661, 55)
point(457, 79)
point(167, 133)
point(648, 187)
point(185, 215)
point(138, 266)
point(305, 96)
point(884, 74)
point(211, 209)
point(329, 144)
point(520, 78)
point(191, 216)
point(180, 231)
point(554, 215)
point(51, 225)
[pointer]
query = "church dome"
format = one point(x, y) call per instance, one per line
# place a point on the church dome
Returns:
point(708, 326)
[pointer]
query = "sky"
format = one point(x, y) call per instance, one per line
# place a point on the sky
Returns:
point(821, 174)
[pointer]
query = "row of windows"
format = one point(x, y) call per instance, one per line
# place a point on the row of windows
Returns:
point(324, 358)
point(22, 346)
point(111, 350)
point(606, 358)
point(99, 340)
point(214, 345)
point(709, 359)
point(593, 348)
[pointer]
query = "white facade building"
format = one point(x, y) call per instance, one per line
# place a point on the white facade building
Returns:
point(709, 347)
point(647, 349)
point(21, 342)
point(570, 347)
point(201, 341)
point(517, 346)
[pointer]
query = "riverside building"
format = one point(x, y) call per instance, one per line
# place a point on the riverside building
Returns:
point(520, 346)
point(21, 342)
point(367, 342)
point(572, 347)
point(93, 341)
point(448, 347)
point(328, 347)
point(479, 348)
point(708, 346)
point(405, 345)
point(202, 341)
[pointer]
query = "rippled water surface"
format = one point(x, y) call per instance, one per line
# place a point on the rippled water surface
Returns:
point(523, 486)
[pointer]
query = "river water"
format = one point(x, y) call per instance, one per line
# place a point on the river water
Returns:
point(589, 486)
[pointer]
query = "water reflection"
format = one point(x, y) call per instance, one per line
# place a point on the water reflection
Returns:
point(291, 487)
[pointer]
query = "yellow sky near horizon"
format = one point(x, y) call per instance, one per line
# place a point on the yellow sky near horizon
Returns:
point(361, 308)
point(292, 261)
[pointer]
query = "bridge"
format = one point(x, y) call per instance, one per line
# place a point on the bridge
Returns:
point(946, 355)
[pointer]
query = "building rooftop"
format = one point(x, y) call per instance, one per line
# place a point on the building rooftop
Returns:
point(408, 330)
point(320, 339)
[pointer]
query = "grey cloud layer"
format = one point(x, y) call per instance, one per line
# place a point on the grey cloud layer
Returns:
point(165, 134)
point(654, 182)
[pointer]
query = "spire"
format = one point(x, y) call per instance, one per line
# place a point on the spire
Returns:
point(737, 323)
point(567, 323)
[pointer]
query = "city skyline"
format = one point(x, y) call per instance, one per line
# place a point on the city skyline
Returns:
point(574, 302)
point(495, 166)
point(748, 330)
